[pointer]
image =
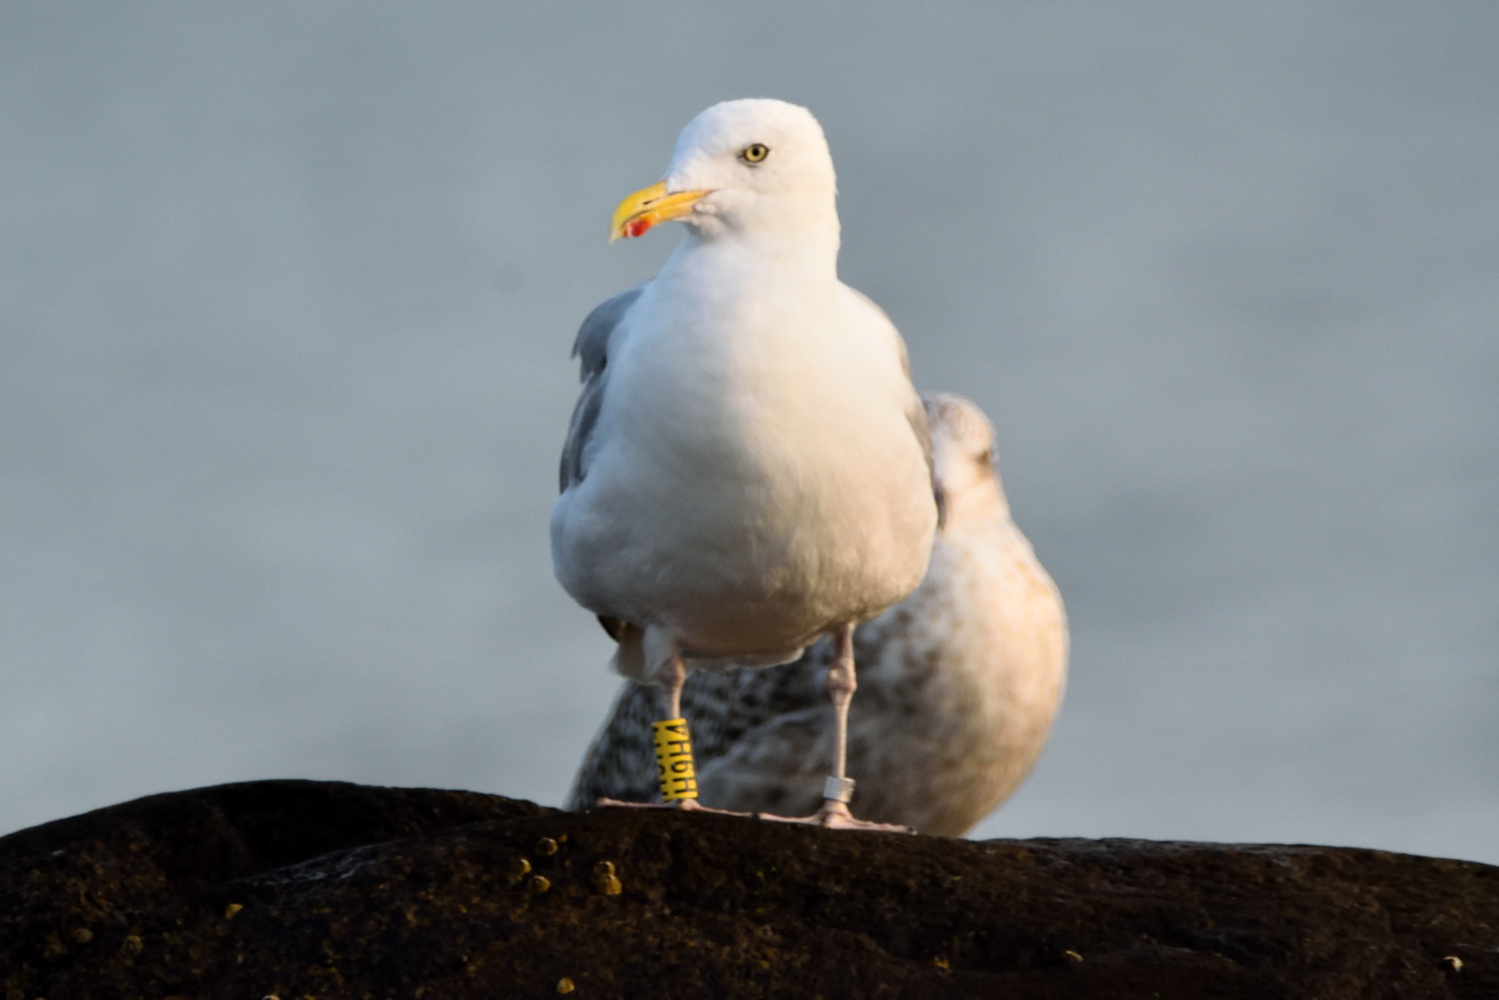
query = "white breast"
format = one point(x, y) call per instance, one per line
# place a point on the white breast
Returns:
point(754, 479)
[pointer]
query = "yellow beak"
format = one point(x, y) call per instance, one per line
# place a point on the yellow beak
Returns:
point(649, 207)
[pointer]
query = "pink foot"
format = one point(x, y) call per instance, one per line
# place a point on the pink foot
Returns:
point(835, 816)
point(683, 805)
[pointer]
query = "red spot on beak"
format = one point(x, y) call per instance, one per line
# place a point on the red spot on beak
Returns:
point(638, 227)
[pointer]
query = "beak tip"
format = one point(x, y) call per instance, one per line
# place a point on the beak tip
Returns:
point(645, 209)
point(633, 227)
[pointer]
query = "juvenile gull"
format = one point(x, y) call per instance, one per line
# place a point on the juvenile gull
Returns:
point(958, 684)
point(748, 466)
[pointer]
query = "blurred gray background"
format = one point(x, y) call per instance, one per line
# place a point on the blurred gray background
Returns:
point(287, 292)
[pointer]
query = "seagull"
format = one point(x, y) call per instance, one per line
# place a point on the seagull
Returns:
point(958, 684)
point(748, 467)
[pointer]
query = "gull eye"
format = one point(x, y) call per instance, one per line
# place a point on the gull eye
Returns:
point(755, 152)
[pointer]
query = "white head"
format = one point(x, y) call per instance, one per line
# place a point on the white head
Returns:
point(751, 165)
point(963, 453)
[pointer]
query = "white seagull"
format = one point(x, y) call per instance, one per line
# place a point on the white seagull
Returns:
point(958, 684)
point(748, 466)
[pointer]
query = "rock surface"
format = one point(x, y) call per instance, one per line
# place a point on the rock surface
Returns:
point(298, 889)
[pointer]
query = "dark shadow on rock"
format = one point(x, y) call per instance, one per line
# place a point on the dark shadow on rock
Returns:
point(295, 889)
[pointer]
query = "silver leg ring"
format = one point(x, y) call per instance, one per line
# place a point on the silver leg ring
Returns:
point(838, 789)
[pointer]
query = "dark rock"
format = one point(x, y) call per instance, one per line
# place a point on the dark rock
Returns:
point(295, 889)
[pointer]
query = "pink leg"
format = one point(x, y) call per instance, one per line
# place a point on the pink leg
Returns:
point(671, 682)
point(842, 683)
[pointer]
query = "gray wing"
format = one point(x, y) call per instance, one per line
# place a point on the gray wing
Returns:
point(916, 411)
point(721, 707)
point(921, 426)
point(591, 348)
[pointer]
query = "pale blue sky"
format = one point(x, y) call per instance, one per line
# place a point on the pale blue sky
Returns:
point(287, 291)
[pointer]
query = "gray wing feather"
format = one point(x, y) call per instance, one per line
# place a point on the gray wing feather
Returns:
point(591, 348)
point(916, 412)
point(922, 428)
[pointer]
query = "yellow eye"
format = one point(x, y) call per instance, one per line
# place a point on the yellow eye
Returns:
point(755, 152)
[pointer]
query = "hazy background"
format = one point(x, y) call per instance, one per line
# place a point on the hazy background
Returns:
point(287, 292)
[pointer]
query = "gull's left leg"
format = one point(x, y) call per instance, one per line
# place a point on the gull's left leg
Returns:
point(839, 788)
point(673, 747)
point(673, 743)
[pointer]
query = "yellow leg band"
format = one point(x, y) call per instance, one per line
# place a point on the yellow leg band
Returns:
point(674, 760)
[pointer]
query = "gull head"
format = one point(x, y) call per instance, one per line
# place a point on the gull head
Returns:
point(963, 455)
point(746, 166)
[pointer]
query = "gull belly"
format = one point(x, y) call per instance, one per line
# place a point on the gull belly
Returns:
point(750, 459)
